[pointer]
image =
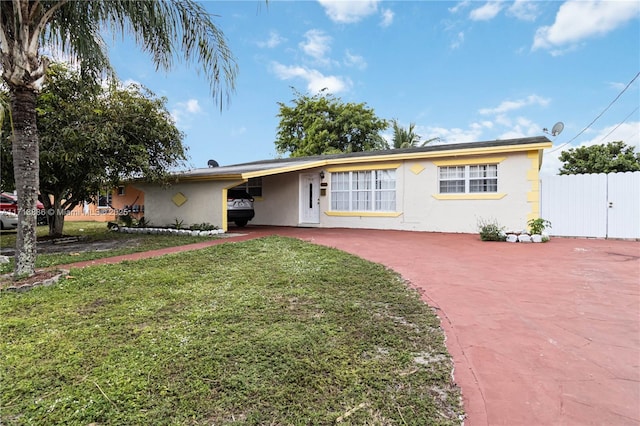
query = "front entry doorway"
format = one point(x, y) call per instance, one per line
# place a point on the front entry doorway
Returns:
point(309, 198)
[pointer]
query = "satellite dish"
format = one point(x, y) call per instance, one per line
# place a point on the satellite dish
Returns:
point(557, 128)
point(212, 163)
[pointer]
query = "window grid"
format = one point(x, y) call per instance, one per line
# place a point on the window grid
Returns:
point(468, 179)
point(104, 199)
point(253, 186)
point(368, 190)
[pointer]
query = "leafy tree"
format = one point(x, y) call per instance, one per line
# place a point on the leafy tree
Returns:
point(604, 158)
point(163, 28)
point(323, 124)
point(92, 137)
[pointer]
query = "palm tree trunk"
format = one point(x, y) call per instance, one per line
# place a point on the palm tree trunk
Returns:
point(26, 171)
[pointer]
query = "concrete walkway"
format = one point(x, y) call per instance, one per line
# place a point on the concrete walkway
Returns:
point(540, 334)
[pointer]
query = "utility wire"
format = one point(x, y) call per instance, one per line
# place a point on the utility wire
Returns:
point(599, 115)
point(620, 124)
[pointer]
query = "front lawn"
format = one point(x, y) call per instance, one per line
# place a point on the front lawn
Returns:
point(93, 234)
point(268, 331)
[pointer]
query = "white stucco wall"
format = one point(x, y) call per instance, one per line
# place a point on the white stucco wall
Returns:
point(278, 205)
point(419, 207)
point(421, 211)
point(204, 203)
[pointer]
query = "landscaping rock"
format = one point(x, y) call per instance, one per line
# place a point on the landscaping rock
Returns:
point(536, 238)
point(524, 238)
point(511, 238)
point(4, 259)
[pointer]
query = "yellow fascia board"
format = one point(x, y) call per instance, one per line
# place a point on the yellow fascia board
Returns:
point(465, 161)
point(364, 214)
point(496, 196)
point(288, 169)
point(383, 166)
point(441, 154)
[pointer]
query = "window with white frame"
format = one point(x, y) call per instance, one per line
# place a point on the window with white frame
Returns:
point(468, 179)
point(364, 190)
point(104, 199)
point(253, 186)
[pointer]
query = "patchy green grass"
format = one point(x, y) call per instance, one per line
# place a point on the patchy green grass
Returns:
point(95, 232)
point(268, 331)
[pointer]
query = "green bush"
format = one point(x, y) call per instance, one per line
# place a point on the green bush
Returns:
point(490, 230)
point(537, 226)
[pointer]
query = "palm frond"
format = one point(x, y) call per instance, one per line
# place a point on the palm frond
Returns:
point(167, 30)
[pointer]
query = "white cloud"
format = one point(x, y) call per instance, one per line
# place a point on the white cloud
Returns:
point(130, 82)
point(239, 131)
point(183, 111)
point(387, 18)
point(457, 42)
point(274, 40)
point(521, 128)
point(352, 60)
point(506, 106)
point(316, 45)
point(348, 12)
point(460, 6)
point(525, 10)
point(316, 81)
point(579, 20)
point(617, 86)
point(455, 135)
point(486, 12)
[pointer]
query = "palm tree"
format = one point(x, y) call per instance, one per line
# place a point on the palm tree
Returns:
point(163, 28)
point(407, 138)
point(404, 138)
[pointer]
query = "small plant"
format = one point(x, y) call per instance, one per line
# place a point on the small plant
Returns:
point(204, 226)
point(537, 226)
point(177, 223)
point(490, 230)
point(126, 219)
point(143, 223)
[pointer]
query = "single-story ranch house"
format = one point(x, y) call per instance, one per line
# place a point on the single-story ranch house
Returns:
point(438, 188)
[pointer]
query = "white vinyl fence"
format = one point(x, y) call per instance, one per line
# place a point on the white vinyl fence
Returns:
point(593, 205)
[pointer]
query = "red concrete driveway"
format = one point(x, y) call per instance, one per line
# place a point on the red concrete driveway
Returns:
point(541, 334)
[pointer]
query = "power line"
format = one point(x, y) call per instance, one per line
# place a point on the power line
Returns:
point(620, 124)
point(599, 115)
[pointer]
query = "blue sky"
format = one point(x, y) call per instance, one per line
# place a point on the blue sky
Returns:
point(461, 71)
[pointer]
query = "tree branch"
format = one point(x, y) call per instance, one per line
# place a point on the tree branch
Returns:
point(44, 20)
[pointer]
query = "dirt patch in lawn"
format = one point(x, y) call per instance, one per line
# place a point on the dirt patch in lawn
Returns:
point(75, 245)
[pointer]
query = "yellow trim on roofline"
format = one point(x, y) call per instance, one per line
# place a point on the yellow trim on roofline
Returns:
point(279, 170)
point(465, 161)
point(364, 214)
point(383, 166)
point(447, 153)
point(496, 196)
point(373, 159)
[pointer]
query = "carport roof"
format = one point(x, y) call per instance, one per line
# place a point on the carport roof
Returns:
point(283, 165)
